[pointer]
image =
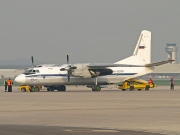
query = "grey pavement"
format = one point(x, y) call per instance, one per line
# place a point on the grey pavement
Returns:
point(81, 111)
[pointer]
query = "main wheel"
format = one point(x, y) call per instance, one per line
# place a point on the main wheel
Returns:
point(61, 88)
point(36, 89)
point(52, 89)
point(48, 89)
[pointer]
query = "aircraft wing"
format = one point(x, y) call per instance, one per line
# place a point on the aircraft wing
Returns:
point(100, 66)
point(103, 65)
point(98, 69)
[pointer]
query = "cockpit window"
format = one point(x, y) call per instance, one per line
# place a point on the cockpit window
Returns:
point(31, 71)
point(37, 71)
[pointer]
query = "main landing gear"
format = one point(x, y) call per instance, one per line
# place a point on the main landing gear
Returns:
point(96, 87)
point(61, 88)
point(58, 88)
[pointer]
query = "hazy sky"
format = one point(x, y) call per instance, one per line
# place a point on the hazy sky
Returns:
point(102, 31)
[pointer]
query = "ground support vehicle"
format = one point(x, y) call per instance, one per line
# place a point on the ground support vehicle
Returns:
point(28, 88)
point(135, 84)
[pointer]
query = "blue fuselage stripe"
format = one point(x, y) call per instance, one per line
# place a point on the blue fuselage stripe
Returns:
point(53, 75)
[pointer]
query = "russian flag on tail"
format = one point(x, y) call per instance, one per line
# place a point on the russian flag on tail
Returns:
point(141, 47)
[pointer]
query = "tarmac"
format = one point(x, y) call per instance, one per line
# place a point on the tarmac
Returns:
point(79, 111)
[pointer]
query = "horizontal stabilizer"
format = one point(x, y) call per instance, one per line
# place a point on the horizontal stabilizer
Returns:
point(158, 63)
point(146, 71)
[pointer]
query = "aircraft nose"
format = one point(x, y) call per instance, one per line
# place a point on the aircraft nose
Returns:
point(20, 79)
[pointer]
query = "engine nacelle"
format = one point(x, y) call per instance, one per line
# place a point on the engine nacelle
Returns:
point(100, 72)
point(81, 70)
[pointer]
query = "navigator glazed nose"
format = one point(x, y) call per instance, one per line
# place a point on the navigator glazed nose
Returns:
point(21, 79)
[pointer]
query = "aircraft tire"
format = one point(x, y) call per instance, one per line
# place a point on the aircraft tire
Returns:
point(36, 89)
point(48, 89)
point(61, 88)
point(96, 88)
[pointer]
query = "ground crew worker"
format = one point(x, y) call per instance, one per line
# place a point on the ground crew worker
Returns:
point(172, 84)
point(151, 81)
point(9, 83)
point(5, 85)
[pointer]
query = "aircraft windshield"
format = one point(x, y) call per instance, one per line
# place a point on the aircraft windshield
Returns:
point(31, 71)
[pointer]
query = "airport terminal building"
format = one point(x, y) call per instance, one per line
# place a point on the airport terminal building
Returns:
point(165, 71)
point(169, 70)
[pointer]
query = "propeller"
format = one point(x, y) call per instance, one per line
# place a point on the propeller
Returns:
point(68, 59)
point(29, 67)
point(69, 69)
point(32, 60)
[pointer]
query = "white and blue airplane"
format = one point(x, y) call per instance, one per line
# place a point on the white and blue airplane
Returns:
point(93, 75)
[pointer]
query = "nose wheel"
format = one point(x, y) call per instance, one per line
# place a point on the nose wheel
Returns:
point(96, 87)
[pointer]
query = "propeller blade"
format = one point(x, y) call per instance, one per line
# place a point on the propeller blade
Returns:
point(67, 59)
point(32, 60)
point(68, 69)
point(68, 76)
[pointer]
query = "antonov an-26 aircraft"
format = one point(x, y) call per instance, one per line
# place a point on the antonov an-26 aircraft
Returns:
point(93, 75)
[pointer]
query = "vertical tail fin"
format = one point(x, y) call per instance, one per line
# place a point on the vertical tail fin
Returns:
point(142, 52)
